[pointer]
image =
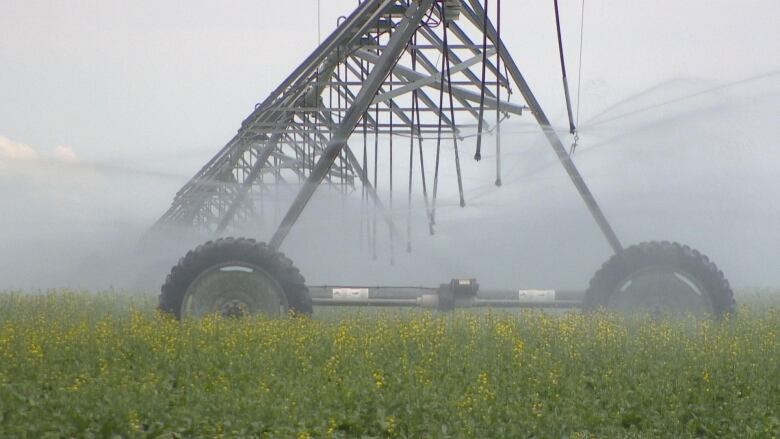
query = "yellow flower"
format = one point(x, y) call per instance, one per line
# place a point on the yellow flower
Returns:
point(518, 348)
point(379, 379)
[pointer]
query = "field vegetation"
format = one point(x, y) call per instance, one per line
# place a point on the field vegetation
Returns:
point(76, 364)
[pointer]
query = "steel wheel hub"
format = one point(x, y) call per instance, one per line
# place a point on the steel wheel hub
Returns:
point(660, 291)
point(234, 289)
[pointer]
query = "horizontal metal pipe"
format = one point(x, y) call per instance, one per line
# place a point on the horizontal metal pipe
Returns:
point(497, 303)
point(392, 293)
point(422, 296)
point(505, 294)
point(364, 302)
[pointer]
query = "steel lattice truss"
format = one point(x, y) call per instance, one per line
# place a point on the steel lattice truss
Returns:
point(421, 70)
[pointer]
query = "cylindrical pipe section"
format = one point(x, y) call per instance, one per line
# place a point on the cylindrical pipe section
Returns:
point(365, 302)
point(532, 295)
point(353, 292)
point(429, 297)
point(498, 303)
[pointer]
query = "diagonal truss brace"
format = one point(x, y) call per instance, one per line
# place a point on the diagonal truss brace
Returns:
point(382, 68)
point(428, 80)
point(421, 80)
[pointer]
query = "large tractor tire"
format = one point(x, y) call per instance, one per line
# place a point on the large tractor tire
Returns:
point(660, 278)
point(234, 277)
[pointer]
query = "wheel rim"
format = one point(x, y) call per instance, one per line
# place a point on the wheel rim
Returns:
point(234, 289)
point(661, 291)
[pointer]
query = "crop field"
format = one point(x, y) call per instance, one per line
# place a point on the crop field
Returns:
point(76, 364)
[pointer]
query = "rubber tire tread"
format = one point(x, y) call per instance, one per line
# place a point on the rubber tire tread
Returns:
point(229, 249)
point(664, 253)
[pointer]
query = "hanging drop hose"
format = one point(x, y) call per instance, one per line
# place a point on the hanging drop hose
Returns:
point(376, 181)
point(365, 165)
point(390, 171)
point(315, 128)
point(432, 221)
point(409, 197)
point(572, 128)
point(337, 77)
point(480, 122)
point(344, 161)
point(452, 119)
point(411, 154)
point(498, 91)
point(305, 148)
point(422, 158)
point(579, 77)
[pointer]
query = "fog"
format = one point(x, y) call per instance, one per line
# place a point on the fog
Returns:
point(108, 109)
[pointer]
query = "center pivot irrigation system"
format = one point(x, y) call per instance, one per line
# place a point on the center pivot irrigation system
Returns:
point(413, 77)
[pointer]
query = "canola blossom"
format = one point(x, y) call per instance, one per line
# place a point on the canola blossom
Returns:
point(79, 364)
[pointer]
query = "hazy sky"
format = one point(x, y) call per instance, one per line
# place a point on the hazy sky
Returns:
point(108, 107)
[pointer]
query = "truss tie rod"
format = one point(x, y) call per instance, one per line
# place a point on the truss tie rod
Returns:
point(431, 79)
point(457, 91)
point(382, 67)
